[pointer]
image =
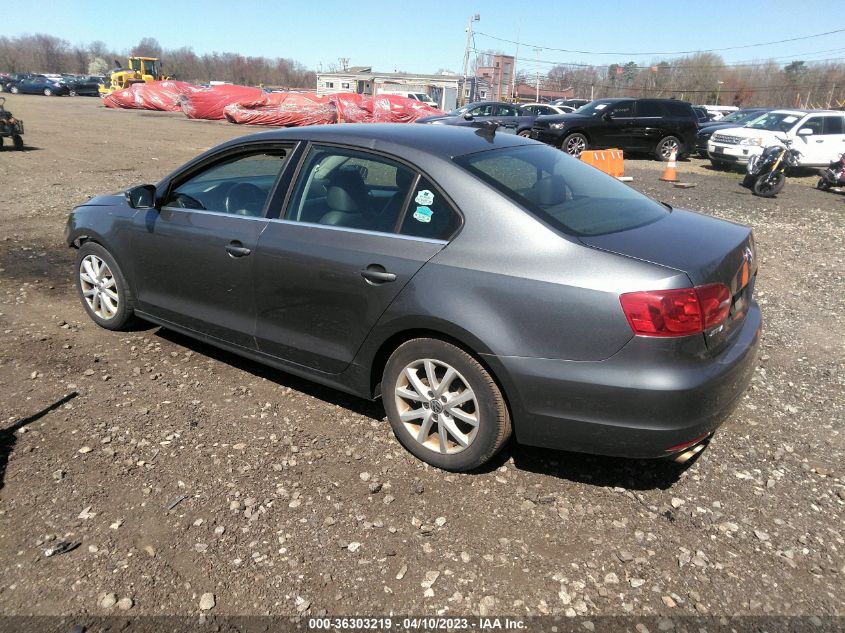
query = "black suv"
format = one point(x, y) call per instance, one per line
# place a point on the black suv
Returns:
point(655, 126)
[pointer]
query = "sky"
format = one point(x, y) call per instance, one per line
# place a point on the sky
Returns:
point(424, 37)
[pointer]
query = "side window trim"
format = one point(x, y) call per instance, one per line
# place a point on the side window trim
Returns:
point(406, 205)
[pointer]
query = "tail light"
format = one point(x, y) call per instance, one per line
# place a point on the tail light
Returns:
point(678, 312)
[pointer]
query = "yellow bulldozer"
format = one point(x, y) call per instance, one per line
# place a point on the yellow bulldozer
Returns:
point(139, 70)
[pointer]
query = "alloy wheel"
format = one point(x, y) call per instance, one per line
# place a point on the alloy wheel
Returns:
point(437, 406)
point(99, 287)
point(667, 147)
point(575, 145)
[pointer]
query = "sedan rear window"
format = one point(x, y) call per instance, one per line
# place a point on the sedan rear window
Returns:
point(573, 197)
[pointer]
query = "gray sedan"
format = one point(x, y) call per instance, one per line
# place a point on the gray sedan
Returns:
point(481, 284)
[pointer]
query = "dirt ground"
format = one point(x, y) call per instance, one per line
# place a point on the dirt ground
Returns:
point(182, 471)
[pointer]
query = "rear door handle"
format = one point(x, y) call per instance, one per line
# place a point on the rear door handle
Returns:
point(237, 249)
point(377, 276)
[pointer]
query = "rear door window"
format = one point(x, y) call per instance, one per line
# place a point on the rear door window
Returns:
point(834, 125)
point(622, 110)
point(429, 214)
point(648, 109)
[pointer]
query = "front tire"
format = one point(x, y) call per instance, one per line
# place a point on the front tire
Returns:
point(575, 143)
point(524, 133)
point(102, 287)
point(17, 142)
point(822, 184)
point(14, 90)
point(664, 148)
point(443, 405)
point(769, 185)
point(48, 92)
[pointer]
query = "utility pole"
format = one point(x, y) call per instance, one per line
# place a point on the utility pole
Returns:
point(473, 18)
point(719, 92)
point(513, 69)
point(537, 61)
point(830, 98)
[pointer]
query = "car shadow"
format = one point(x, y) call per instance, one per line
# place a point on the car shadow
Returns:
point(7, 147)
point(594, 470)
point(8, 439)
point(367, 408)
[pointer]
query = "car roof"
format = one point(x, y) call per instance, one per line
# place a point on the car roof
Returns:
point(444, 141)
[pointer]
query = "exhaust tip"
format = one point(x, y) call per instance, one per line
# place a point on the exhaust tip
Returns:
point(684, 456)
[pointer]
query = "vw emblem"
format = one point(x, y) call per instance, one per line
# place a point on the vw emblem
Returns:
point(436, 406)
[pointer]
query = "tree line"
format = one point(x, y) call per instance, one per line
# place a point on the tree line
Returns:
point(48, 54)
point(707, 79)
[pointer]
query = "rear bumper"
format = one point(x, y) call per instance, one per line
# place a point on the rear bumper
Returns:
point(638, 403)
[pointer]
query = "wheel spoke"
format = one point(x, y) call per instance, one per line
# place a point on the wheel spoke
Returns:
point(89, 268)
point(465, 396)
point(415, 381)
point(407, 394)
point(109, 283)
point(413, 414)
point(111, 294)
point(430, 375)
point(448, 377)
point(463, 416)
point(86, 278)
point(425, 427)
point(453, 430)
point(108, 306)
point(89, 293)
point(444, 438)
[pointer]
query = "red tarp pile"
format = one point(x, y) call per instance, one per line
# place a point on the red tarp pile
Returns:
point(241, 104)
point(306, 108)
point(156, 95)
point(208, 103)
point(283, 108)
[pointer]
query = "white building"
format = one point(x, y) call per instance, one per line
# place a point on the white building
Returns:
point(363, 80)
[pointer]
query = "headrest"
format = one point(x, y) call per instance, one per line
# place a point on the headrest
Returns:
point(347, 191)
point(339, 199)
point(549, 191)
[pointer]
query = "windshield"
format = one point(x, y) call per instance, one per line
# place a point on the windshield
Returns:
point(774, 122)
point(460, 110)
point(594, 108)
point(571, 196)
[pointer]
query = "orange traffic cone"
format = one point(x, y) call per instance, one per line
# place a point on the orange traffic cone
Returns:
point(670, 174)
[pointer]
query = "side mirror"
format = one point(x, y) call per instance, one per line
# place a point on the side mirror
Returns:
point(141, 196)
point(468, 116)
point(805, 131)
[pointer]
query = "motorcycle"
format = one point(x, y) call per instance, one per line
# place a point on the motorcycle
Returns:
point(766, 172)
point(833, 176)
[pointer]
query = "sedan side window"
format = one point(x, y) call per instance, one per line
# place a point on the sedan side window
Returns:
point(485, 110)
point(429, 215)
point(347, 188)
point(240, 185)
point(505, 110)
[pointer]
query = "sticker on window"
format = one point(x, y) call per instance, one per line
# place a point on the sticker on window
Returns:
point(424, 197)
point(790, 119)
point(601, 106)
point(423, 214)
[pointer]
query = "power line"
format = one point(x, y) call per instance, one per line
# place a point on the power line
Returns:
point(710, 50)
point(668, 66)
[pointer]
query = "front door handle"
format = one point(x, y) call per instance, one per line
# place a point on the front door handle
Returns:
point(237, 249)
point(377, 275)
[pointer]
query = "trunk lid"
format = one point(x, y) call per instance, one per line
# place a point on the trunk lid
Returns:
point(707, 249)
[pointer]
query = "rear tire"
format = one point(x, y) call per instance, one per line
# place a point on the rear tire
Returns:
point(769, 185)
point(102, 288)
point(421, 378)
point(664, 148)
point(575, 143)
point(48, 92)
point(14, 90)
point(822, 184)
point(17, 141)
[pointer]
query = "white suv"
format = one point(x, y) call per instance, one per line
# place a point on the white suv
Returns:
point(818, 134)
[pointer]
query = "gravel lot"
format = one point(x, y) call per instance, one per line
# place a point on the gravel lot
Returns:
point(195, 481)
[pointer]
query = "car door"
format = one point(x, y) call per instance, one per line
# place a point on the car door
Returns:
point(615, 130)
point(647, 126)
point(194, 255)
point(508, 118)
point(826, 141)
point(328, 269)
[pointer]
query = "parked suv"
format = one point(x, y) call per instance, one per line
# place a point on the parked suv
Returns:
point(655, 126)
point(818, 134)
